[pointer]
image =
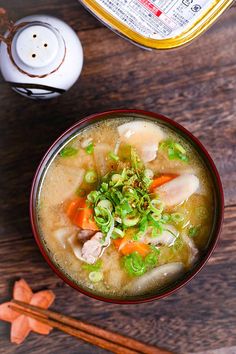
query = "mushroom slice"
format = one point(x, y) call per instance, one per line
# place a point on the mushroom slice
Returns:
point(144, 136)
point(155, 278)
point(178, 189)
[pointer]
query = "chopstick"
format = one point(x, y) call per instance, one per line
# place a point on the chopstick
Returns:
point(103, 338)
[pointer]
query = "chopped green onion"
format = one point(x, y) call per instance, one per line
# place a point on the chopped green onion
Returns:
point(134, 264)
point(117, 179)
point(113, 156)
point(90, 148)
point(177, 218)
point(193, 231)
point(143, 224)
point(182, 157)
point(175, 150)
point(93, 196)
point(68, 151)
point(117, 233)
point(148, 173)
point(130, 221)
point(180, 148)
point(81, 192)
point(165, 217)
point(105, 203)
point(104, 187)
point(90, 177)
point(151, 260)
point(95, 277)
point(92, 267)
point(156, 206)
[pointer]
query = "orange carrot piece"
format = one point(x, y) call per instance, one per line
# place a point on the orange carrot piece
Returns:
point(157, 182)
point(142, 248)
point(81, 215)
point(42, 299)
point(121, 242)
point(22, 291)
point(20, 329)
point(126, 246)
point(72, 208)
point(7, 314)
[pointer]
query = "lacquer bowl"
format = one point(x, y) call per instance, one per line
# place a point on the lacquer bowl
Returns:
point(206, 159)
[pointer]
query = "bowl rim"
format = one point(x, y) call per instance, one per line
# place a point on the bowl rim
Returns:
point(218, 184)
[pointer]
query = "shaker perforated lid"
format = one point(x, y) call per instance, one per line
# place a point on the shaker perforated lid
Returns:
point(38, 49)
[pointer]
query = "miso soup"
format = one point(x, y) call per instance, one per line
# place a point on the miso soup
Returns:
point(126, 207)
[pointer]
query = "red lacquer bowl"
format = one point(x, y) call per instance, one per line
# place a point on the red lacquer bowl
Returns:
point(217, 190)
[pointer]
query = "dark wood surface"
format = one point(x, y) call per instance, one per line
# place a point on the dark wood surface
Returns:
point(195, 86)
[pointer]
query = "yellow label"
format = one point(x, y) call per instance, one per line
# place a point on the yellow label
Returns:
point(158, 24)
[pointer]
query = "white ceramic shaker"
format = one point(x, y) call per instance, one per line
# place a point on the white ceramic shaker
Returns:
point(41, 57)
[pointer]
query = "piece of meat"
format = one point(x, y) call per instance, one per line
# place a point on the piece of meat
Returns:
point(193, 256)
point(144, 136)
point(178, 189)
point(85, 235)
point(92, 249)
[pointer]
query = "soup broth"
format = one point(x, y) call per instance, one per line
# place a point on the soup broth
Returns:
point(126, 208)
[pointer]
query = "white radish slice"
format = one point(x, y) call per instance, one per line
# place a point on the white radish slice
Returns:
point(167, 237)
point(62, 234)
point(58, 191)
point(101, 152)
point(178, 190)
point(144, 136)
point(155, 278)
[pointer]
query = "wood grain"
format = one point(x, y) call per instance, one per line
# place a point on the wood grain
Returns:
point(196, 86)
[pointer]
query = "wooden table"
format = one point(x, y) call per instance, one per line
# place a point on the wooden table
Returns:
point(195, 86)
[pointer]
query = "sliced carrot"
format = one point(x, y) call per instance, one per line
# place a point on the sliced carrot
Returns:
point(22, 291)
point(72, 208)
point(120, 242)
point(126, 246)
point(42, 299)
point(7, 314)
point(140, 247)
point(81, 215)
point(20, 329)
point(157, 182)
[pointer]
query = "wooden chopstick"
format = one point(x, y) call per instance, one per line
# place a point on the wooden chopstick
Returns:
point(115, 348)
point(64, 322)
